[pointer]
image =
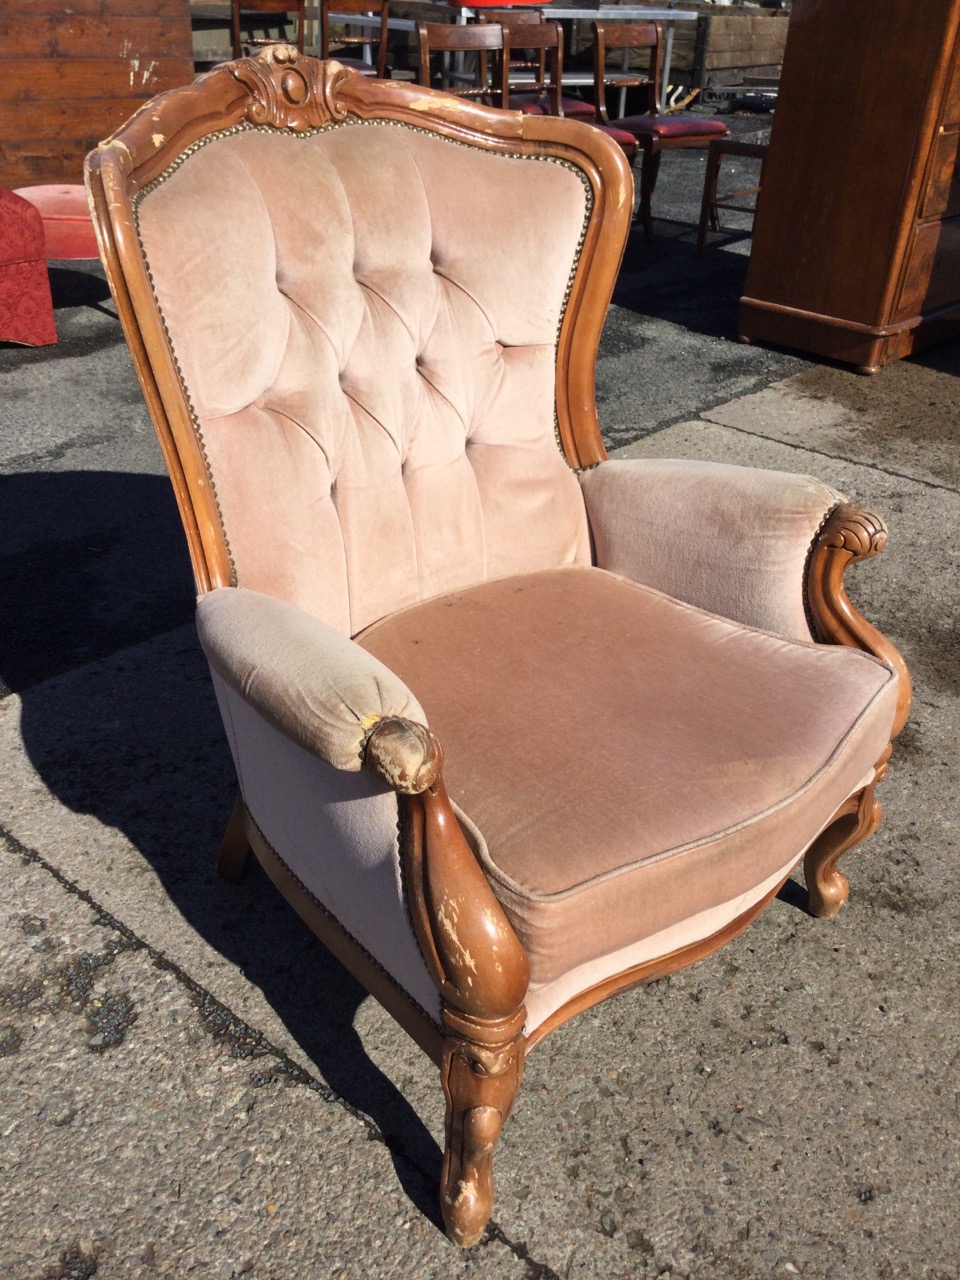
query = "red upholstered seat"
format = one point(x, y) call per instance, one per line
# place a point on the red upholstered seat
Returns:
point(681, 125)
point(26, 308)
point(538, 104)
point(621, 136)
point(655, 130)
point(67, 225)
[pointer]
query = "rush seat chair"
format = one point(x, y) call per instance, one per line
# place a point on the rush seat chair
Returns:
point(515, 727)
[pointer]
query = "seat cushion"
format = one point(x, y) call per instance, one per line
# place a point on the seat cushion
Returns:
point(629, 761)
point(539, 104)
point(67, 224)
point(621, 136)
point(672, 127)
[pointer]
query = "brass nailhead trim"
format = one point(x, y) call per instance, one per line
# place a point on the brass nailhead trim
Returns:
point(245, 127)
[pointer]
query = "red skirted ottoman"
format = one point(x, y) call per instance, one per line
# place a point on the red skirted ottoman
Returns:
point(26, 308)
point(67, 224)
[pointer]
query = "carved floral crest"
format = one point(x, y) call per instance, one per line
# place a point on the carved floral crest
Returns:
point(290, 91)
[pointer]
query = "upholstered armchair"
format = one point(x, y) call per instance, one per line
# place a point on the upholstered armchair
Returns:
point(515, 727)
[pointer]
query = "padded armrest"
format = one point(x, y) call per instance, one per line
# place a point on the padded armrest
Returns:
point(313, 684)
point(732, 540)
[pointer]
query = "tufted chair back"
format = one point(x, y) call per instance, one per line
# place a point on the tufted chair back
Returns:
point(364, 319)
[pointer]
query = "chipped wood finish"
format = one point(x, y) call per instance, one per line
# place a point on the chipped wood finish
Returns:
point(477, 962)
point(481, 1073)
point(72, 73)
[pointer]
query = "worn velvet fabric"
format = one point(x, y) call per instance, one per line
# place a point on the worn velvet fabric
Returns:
point(313, 684)
point(669, 127)
point(336, 831)
point(732, 540)
point(373, 383)
point(373, 377)
point(628, 760)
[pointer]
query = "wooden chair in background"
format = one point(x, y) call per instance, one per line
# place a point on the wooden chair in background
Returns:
point(366, 39)
point(246, 16)
point(753, 148)
point(656, 131)
point(537, 81)
point(476, 70)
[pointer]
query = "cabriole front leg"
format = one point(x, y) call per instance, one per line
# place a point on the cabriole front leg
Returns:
point(481, 1072)
point(857, 820)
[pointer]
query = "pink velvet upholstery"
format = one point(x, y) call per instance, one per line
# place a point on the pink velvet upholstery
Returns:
point(67, 225)
point(712, 751)
point(733, 540)
point(336, 830)
point(375, 390)
point(26, 307)
point(307, 680)
point(366, 333)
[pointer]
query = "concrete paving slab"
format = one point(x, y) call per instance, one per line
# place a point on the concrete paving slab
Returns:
point(145, 1135)
point(904, 419)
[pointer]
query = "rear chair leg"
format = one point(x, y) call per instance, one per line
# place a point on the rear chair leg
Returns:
point(235, 848)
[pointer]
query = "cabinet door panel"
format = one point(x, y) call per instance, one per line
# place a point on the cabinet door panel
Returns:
point(943, 190)
point(932, 276)
point(951, 106)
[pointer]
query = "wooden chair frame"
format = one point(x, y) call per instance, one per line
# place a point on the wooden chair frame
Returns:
point(239, 7)
point(479, 1044)
point(517, 22)
point(626, 36)
point(733, 200)
point(378, 8)
point(546, 40)
point(491, 74)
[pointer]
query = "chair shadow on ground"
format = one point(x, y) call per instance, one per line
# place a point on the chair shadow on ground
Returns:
point(661, 278)
point(93, 566)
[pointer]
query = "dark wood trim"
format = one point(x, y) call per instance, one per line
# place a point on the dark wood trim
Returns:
point(874, 272)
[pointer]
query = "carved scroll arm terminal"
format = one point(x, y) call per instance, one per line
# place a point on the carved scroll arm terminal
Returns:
point(848, 535)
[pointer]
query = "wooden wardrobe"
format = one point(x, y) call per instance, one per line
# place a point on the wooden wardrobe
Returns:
point(856, 242)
